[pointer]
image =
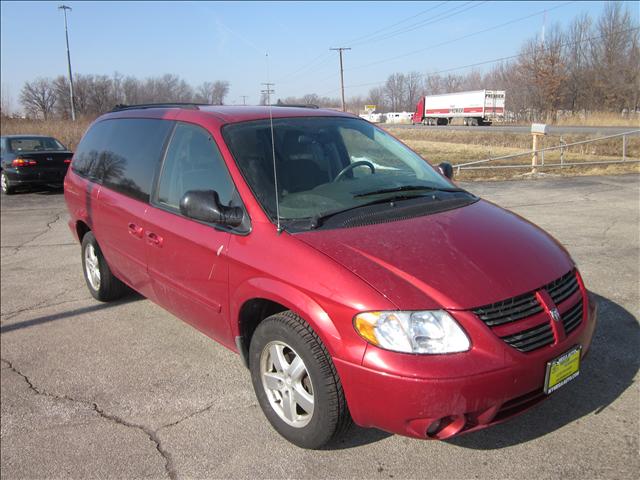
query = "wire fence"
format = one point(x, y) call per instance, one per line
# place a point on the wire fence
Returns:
point(538, 156)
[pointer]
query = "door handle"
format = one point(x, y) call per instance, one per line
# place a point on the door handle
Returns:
point(154, 239)
point(135, 230)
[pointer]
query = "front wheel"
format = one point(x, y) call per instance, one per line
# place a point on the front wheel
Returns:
point(296, 382)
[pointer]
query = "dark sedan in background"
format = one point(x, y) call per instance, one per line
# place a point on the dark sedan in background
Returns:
point(32, 160)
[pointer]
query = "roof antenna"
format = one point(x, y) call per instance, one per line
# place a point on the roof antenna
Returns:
point(268, 91)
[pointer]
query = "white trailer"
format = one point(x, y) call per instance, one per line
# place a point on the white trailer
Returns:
point(479, 107)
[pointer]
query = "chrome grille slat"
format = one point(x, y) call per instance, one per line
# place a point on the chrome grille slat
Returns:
point(531, 338)
point(562, 292)
point(572, 318)
point(526, 305)
point(509, 310)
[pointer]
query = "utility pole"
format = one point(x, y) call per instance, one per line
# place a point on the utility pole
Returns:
point(244, 99)
point(64, 8)
point(340, 50)
point(268, 91)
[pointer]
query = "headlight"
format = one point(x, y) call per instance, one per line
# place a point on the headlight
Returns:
point(412, 332)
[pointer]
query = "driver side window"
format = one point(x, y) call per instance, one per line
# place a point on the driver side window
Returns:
point(193, 162)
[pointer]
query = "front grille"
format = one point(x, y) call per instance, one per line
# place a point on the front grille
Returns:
point(509, 310)
point(561, 289)
point(525, 305)
point(572, 318)
point(532, 338)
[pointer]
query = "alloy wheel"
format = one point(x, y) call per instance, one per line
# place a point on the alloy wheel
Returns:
point(92, 267)
point(287, 384)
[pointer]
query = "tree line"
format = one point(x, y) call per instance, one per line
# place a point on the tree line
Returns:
point(95, 94)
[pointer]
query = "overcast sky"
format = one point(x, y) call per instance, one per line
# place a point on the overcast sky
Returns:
point(229, 40)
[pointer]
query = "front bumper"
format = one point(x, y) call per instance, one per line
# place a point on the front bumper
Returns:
point(443, 406)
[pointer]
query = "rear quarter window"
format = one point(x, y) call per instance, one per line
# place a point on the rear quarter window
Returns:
point(123, 154)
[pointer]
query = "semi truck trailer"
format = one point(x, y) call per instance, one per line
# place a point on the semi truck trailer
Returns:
point(478, 107)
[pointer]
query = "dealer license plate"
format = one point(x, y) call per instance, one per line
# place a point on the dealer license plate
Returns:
point(562, 370)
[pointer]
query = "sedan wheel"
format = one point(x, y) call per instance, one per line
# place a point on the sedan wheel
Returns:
point(4, 184)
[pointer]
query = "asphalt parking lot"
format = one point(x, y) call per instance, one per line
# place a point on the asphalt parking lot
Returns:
point(126, 390)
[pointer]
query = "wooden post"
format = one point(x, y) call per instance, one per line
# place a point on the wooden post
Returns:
point(534, 157)
point(537, 130)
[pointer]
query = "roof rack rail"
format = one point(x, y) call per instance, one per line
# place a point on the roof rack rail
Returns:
point(296, 105)
point(187, 105)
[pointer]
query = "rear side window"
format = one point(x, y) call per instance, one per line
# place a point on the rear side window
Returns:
point(193, 162)
point(122, 154)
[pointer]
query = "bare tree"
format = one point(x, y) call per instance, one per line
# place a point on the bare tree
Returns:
point(5, 101)
point(220, 91)
point(204, 93)
point(615, 58)
point(414, 90)
point(63, 102)
point(579, 74)
point(433, 84)
point(377, 97)
point(542, 70)
point(38, 97)
point(101, 98)
point(395, 90)
point(132, 91)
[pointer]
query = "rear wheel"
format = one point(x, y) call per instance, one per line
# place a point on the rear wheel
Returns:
point(296, 382)
point(101, 282)
point(7, 189)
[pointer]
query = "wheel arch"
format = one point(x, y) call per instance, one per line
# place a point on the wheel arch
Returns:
point(259, 298)
point(81, 229)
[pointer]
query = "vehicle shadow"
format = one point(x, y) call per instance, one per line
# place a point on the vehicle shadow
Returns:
point(608, 370)
point(356, 437)
point(6, 328)
point(48, 190)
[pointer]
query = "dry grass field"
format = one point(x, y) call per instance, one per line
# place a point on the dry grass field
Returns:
point(435, 145)
point(66, 131)
point(461, 146)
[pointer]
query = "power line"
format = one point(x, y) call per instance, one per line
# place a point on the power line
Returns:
point(501, 59)
point(430, 47)
point(340, 50)
point(296, 73)
point(412, 17)
point(430, 21)
point(325, 56)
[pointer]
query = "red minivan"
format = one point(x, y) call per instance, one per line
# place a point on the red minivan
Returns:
point(356, 281)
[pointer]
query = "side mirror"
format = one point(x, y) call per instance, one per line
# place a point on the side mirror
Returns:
point(446, 169)
point(204, 205)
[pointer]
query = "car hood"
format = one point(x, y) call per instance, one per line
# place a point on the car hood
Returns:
point(458, 259)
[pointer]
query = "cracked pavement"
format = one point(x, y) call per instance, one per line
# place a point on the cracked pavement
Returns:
point(126, 390)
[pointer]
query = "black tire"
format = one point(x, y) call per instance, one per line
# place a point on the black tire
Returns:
point(7, 189)
point(110, 288)
point(330, 418)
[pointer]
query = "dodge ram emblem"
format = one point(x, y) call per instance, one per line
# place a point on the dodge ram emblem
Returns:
point(555, 314)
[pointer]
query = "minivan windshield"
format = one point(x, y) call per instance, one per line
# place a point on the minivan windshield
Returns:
point(327, 164)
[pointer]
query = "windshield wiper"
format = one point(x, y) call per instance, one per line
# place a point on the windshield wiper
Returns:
point(405, 188)
point(317, 220)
